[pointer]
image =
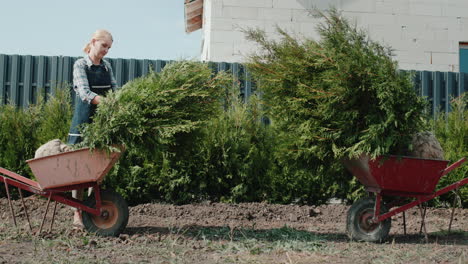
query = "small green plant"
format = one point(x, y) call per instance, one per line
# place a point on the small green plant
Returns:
point(451, 130)
point(235, 153)
point(55, 115)
point(17, 137)
point(22, 131)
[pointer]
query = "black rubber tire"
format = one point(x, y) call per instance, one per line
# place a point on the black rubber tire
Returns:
point(357, 226)
point(114, 216)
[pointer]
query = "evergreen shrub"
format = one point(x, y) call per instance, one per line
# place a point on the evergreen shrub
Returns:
point(22, 131)
point(451, 130)
point(330, 99)
point(158, 119)
point(235, 153)
point(342, 95)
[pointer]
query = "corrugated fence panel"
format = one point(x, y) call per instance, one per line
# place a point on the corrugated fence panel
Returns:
point(132, 70)
point(117, 67)
point(440, 88)
point(463, 83)
point(14, 88)
point(41, 73)
point(23, 78)
point(437, 94)
point(27, 81)
point(243, 79)
point(54, 73)
point(128, 69)
point(3, 74)
point(67, 73)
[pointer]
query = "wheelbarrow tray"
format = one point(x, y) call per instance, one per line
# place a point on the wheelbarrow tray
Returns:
point(397, 175)
point(72, 167)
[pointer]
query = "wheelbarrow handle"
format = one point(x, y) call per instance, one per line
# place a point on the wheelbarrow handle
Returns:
point(453, 166)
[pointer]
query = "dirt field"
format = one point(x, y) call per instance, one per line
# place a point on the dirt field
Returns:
point(226, 233)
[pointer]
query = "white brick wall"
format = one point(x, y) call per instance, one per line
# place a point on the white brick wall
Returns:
point(223, 24)
point(227, 37)
point(365, 6)
point(424, 34)
point(320, 4)
point(244, 24)
point(426, 8)
point(303, 15)
point(275, 14)
point(240, 12)
point(388, 20)
point(392, 7)
point(270, 27)
point(287, 4)
point(221, 50)
point(452, 9)
point(249, 3)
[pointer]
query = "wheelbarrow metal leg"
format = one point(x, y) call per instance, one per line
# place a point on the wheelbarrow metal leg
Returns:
point(9, 203)
point(378, 200)
point(97, 195)
point(45, 214)
point(25, 208)
point(404, 223)
point(453, 210)
point(423, 222)
point(422, 199)
point(53, 217)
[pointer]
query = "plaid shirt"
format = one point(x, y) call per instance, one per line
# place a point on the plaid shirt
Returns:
point(80, 80)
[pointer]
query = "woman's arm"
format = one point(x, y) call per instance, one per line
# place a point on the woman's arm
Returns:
point(80, 82)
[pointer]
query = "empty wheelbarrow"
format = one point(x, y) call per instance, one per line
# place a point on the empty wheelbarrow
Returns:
point(408, 177)
point(104, 212)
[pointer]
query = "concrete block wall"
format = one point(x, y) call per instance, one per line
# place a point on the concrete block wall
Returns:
point(224, 21)
point(424, 34)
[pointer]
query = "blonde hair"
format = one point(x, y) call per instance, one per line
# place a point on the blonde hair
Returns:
point(99, 34)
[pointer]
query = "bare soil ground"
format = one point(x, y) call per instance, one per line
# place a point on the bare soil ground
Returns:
point(229, 233)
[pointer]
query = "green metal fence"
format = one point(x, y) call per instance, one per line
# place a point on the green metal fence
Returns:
point(440, 87)
point(23, 77)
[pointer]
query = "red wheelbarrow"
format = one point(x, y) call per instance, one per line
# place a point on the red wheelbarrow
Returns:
point(412, 178)
point(104, 212)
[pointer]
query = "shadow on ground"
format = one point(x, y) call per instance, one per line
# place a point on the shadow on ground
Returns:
point(290, 234)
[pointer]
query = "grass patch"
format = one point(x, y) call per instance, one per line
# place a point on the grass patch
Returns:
point(459, 235)
point(257, 241)
point(209, 245)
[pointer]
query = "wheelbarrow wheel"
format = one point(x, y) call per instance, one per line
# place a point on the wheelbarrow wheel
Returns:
point(113, 218)
point(359, 226)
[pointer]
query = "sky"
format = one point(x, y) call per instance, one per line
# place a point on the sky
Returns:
point(142, 29)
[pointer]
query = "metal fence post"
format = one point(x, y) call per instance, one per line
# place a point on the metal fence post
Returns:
point(54, 72)
point(3, 75)
point(27, 81)
point(13, 92)
point(450, 85)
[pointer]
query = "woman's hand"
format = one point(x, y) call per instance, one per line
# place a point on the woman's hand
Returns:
point(96, 100)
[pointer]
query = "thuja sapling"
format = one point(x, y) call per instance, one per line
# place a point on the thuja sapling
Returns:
point(339, 96)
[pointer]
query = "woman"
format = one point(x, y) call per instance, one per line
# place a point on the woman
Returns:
point(92, 79)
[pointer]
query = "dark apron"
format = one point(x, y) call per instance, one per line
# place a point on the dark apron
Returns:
point(99, 80)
